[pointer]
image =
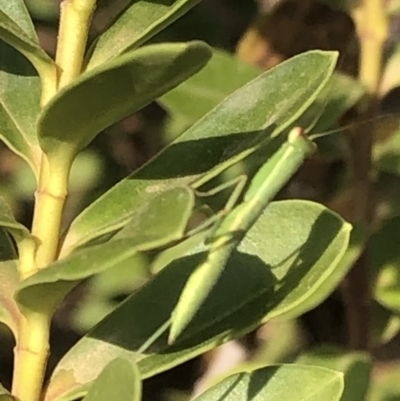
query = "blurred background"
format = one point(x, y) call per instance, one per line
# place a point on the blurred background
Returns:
point(251, 36)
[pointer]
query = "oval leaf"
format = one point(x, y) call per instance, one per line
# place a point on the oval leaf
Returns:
point(120, 380)
point(355, 366)
point(138, 23)
point(7, 220)
point(42, 292)
point(156, 226)
point(104, 96)
point(19, 105)
point(385, 262)
point(318, 248)
point(164, 219)
point(248, 294)
point(26, 42)
point(195, 97)
point(18, 13)
point(209, 144)
point(9, 314)
point(279, 383)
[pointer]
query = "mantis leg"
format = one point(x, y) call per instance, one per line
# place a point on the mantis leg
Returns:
point(238, 183)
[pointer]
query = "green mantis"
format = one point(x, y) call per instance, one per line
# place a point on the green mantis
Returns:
point(227, 235)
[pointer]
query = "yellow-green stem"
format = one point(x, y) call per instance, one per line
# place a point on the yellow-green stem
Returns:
point(27, 253)
point(31, 353)
point(371, 21)
point(372, 26)
point(72, 37)
point(49, 206)
point(32, 343)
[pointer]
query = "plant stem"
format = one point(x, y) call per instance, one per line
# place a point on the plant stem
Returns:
point(372, 27)
point(31, 353)
point(49, 206)
point(371, 22)
point(32, 348)
point(75, 21)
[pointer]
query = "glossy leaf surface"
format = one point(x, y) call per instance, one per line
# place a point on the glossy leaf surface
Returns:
point(195, 97)
point(16, 29)
point(137, 23)
point(111, 92)
point(157, 225)
point(16, 11)
point(19, 105)
point(223, 137)
point(305, 243)
point(295, 244)
point(279, 383)
point(120, 380)
point(45, 290)
point(355, 366)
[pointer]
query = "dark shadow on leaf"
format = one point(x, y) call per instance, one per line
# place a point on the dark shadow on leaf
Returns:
point(198, 156)
point(259, 380)
point(231, 388)
point(7, 247)
point(252, 310)
point(244, 296)
point(13, 62)
point(165, 3)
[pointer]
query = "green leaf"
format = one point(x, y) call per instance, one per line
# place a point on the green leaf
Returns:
point(322, 256)
point(248, 294)
point(120, 380)
point(44, 10)
point(9, 314)
point(223, 137)
point(279, 383)
point(111, 92)
point(164, 219)
point(139, 22)
point(195, 97)
point(104, 290)
point(385, 263)
point(386, 154)
point(157, 225)
point(191, 245)
point(18, 13)
point(24, 39)
point(43, 291)
point(19, 105)
point(264, 186)
point(385, 324)
point(356, 367)
point(5, 395)
point(7, 220)
point(343, 93)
